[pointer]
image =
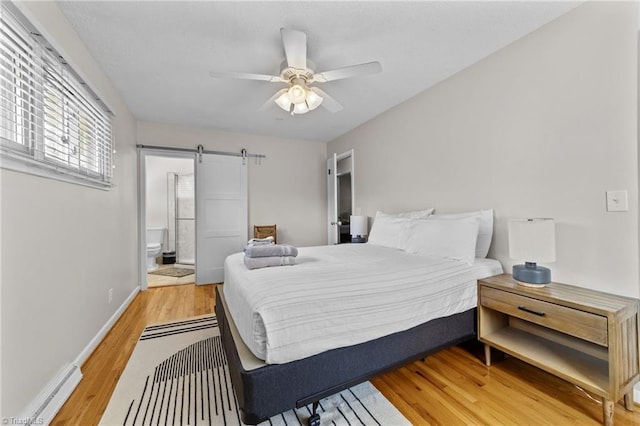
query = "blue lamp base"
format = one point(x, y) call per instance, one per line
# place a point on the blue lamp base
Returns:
point(531, 275)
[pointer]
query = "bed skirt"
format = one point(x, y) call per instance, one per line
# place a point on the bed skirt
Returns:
point(273, 388)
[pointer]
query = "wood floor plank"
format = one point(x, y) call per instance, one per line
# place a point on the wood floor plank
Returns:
point(103, 368)
point(451, 387)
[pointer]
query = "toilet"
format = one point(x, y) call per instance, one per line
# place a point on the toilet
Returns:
point(155, 236)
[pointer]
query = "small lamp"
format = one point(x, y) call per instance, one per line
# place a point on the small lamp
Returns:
point(358, 226)
point(533, 241)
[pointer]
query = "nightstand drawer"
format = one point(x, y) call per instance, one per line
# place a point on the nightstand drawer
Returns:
point(584, 325)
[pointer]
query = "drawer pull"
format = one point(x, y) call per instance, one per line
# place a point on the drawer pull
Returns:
point(531, 311)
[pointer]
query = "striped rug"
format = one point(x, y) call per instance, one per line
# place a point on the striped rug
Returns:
point(178, 374)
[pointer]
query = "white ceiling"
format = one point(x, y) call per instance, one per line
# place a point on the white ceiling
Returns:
point(159, 54)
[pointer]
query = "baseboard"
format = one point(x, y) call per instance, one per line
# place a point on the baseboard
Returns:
point(93, 344)
point(46, 405)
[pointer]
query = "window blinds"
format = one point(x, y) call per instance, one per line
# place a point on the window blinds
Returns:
point(50, 118)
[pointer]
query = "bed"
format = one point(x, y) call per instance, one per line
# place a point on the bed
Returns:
point(343, 314)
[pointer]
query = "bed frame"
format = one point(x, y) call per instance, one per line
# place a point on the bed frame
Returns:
point(274, 388)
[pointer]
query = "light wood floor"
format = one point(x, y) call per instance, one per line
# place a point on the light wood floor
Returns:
point(104, 367)
point(452, 387)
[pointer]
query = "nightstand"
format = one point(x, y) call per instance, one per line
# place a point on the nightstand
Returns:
point(586, 337)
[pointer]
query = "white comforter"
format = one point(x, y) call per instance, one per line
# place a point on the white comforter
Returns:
point(343, 295)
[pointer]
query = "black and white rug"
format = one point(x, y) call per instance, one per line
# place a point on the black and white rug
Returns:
point(178, 374)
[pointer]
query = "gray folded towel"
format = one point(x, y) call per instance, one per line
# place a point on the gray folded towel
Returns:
point(270, 250)
point(264, 262)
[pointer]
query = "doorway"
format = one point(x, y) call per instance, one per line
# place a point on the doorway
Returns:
point(340, 197)
point(218, 214)
point(169, 219)
point(345, 208)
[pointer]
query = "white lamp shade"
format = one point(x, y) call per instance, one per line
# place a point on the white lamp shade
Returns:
point(297, 94)
point(300, 108)
point(313, 100)
point(532, 240)
point(284, 102)
point(358, 225)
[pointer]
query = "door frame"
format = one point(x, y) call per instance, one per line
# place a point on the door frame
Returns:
point(339, 157)
point(143, 153)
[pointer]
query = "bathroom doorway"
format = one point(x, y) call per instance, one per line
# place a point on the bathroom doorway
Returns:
point(170, 211)
point(221, 209)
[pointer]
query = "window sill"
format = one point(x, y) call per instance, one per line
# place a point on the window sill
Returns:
point(35, 168)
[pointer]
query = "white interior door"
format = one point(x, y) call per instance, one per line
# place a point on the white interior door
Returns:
point(332, 200)
point(221, 213)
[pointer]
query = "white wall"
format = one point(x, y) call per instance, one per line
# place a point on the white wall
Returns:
point(288, 188)
point(541, 128)
point(63, 246)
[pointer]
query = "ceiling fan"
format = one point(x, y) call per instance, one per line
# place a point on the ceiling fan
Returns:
point(299, 97)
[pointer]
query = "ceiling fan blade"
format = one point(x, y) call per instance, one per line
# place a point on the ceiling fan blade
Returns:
point(327, 101)
point(295, 48)
point(272, 100)
point(246, 76)
point(346, 72)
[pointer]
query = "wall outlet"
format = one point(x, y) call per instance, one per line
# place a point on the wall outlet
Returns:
point(110, 295)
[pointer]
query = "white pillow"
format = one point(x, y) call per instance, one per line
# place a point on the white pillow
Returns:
point(387, 230)
point(452, 239)
point(416, 214)
point(485, 230)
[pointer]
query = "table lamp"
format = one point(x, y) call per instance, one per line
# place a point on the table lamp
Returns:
point(358, 228)
point(532, 241)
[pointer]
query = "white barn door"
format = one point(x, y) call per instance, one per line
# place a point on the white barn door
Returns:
point(221, 213)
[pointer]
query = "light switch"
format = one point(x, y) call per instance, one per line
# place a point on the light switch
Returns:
point(617, 201)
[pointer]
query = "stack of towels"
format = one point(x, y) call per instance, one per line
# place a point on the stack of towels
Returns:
point(263, 252)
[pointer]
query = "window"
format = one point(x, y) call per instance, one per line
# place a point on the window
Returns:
point(52, 123)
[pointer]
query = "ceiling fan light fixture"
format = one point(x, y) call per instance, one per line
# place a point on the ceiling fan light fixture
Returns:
point(300, 108)
point(297, 72)
point(297, 94)
point(313, 100)
point(284, 102)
